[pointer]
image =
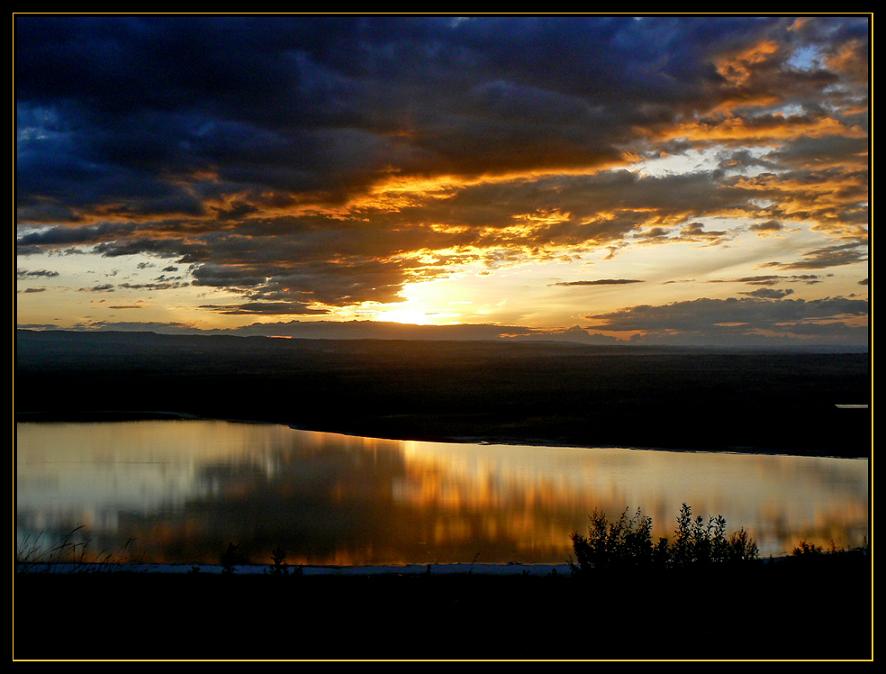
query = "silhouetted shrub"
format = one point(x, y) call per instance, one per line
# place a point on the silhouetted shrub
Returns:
point(807, 550)
point(278, 556)
point(627, 543)
point(230, 558)
point(742, 548)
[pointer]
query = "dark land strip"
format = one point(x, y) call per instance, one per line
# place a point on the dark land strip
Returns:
point(539, 393)
point(795, 609)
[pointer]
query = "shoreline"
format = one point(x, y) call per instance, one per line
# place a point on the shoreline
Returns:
point(112, 416)
point(409, 569)
point(513, 568)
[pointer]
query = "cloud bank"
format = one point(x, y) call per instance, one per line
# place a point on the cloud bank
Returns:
point(305, 164)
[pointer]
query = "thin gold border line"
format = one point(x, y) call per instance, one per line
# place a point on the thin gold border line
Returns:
point(466, 14)
point(437, 660)
point(14, 334)
point(871, 305)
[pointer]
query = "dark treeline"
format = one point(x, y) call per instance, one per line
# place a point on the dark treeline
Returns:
point(550, 393)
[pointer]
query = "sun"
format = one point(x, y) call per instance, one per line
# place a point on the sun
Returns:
point(405, 314)
point(434, 302)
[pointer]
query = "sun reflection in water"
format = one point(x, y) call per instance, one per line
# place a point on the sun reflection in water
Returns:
point(184, 489)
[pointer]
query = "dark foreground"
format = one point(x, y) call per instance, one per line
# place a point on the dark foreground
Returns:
point(786, 609)
point(544, 393)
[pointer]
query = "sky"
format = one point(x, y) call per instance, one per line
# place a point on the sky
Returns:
point(668, 180)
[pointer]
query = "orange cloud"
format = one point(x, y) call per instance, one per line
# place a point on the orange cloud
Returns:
point(850, 59)
point(769, 129)
point(737, 69)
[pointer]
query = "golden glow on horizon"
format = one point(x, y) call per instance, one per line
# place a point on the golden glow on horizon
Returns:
point(404, 314)
point(472, 286)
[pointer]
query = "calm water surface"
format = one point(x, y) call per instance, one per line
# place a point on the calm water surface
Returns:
point(180, 491)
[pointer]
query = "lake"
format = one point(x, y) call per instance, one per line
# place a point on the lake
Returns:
point(180, 491)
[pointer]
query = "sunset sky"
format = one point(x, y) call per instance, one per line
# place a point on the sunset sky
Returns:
point(699, 180)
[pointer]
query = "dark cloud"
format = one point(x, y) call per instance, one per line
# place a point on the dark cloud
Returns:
point(600, 282)
point(824, 152)
point(691, 232)
point(695, 231)
point(67, 251)
point(345, 260)
point(707, 314)
point(653, 234)
point(863, 282)
point(770, 293)
point(185, 251)
point(36, 326)
point(290, 108)
point(124, 306)
point(772, 279)
point(830, 256)
point(22, 251)
point(768, 226)
point(66, 235)
point(742, 159)
point(154, 286)
point(262, 308)
point(257, 148)
point(101, 288)
point(32, 290)
point(35, 273)
point(760, 280)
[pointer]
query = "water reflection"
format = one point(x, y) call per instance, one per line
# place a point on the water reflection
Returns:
point(184, 489)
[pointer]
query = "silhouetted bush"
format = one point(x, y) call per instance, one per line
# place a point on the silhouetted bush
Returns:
point(230, 558)
point(278, 556)
point(627, 543)
point(807, 550)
